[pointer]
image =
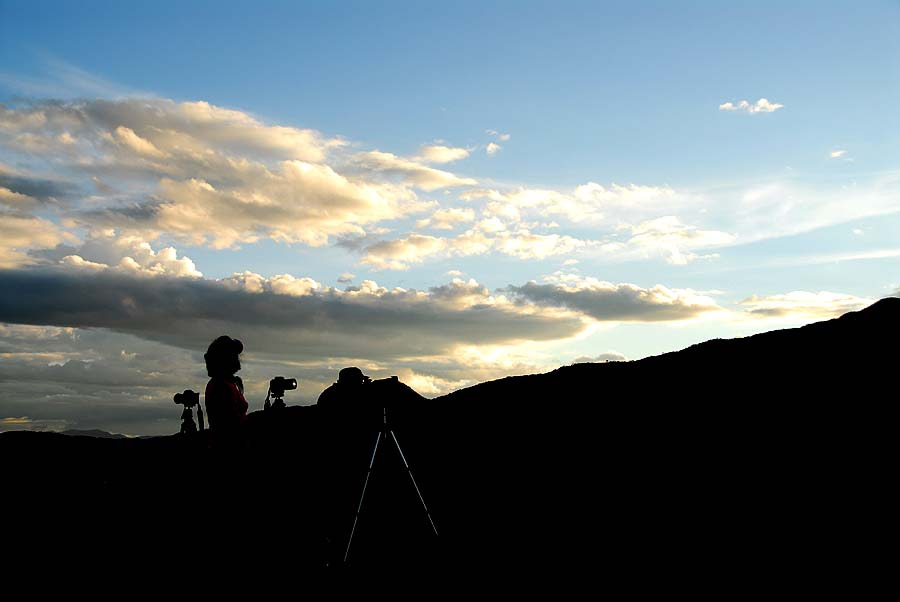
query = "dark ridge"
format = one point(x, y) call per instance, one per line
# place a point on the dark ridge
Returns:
point(93, 433)
point(745, 463)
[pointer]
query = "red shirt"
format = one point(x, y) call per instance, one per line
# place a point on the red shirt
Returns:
point(226, 407)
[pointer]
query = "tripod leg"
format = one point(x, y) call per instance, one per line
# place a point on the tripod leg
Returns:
point(362, 496)
point(409, 472)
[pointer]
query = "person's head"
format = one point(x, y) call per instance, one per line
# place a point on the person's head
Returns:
point(222, 356)
point(352, 376)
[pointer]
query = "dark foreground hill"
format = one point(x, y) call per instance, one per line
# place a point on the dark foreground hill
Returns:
point(736, 464)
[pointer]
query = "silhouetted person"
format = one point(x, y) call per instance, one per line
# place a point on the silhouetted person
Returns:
point(226, 408)
point(347, 393)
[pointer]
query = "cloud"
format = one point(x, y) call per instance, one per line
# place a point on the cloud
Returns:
point(441, 154)
point(587, 203)
point(399, 254)
point(104, 250)
point(154, 125)
point(16, 200)
point(407, 171)
point(669, 236)
point(803, 305)
point(210, 175)
point(87, 378)
point(282, 315)
point(447, 219)
point(493, 148)
point(21, 233)
point(505, 227)
point(35, 190)
point(126, 137)
point(760, 106)
point(298, 202)
point(487, 236)
point(346, 278)
point(605, 301)
point(837, 154)
point(498, 135)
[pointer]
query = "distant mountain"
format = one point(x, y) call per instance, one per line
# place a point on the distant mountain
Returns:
point(734, 464)
point(93, 433)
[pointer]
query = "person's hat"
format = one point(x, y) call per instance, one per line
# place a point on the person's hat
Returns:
point(224, 345)
point(352, 375)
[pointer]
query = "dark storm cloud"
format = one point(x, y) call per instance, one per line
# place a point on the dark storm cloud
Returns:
point(617, 302)
point(190, 313)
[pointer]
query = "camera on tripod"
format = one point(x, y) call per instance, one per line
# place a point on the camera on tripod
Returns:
point(277, 387)
point(189, 399)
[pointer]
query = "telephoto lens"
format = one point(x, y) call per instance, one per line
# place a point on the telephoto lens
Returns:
point(280, 384)
point(188, 399)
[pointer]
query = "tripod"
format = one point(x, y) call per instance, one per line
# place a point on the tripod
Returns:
point(383, 435)
point(277, 402)
point(188, 426)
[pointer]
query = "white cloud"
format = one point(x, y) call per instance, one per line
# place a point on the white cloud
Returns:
point(22, 233)
point(485, 237)
point(447, 219)
point(346, 278)
point(493, 148)
point(441, 154)
point(128, 138)
point(407, 171)
point(130, 254)
point(280, 284)
point(215, 176)
point(298, 202)
point(399, 254)
point(498, 135)
point(837, 154)
point(667, 235)
point(589, 202)
point(760, 106)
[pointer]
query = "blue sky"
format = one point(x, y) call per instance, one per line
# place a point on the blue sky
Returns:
point(599, 151)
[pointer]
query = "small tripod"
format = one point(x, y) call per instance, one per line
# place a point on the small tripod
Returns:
point(189, 399)
point(188, 425)
point(382, 435)
point(277, 402)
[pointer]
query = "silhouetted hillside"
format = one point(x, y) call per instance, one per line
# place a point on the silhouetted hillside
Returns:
point(93, 433)
point(740, 461)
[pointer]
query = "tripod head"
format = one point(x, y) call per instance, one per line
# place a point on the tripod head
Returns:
point(277, 387)
point(189, 399)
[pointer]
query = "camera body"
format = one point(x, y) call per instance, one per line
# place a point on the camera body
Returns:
point(280, 384)
point(188, 399)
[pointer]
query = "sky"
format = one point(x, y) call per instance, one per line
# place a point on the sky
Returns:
point(450, 193)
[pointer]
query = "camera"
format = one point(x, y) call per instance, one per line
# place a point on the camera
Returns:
point(277, 387)
point(188, 399)
point(280, 384)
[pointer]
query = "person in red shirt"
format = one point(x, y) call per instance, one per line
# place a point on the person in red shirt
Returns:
point(226, 408)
